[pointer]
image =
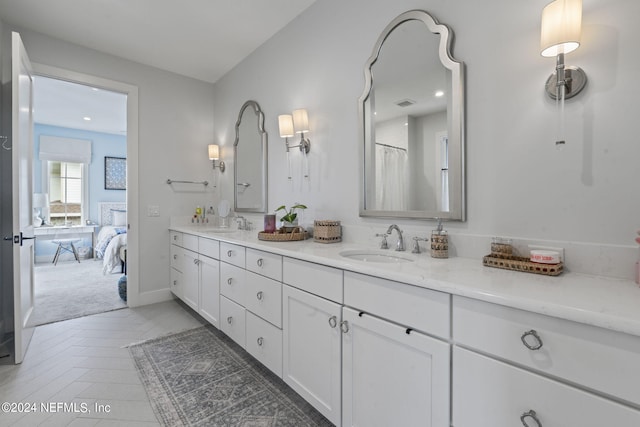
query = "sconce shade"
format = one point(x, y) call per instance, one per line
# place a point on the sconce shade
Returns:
point(561, 27)
point(285, 124)
point(214, 152)
point(300, 121)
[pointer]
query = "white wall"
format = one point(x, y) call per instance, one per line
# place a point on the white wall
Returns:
point(175, 126)
point(518, 184)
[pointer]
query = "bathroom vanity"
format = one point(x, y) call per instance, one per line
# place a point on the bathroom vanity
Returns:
point(416, 340)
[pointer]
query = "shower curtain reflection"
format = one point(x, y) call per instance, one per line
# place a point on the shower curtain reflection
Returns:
point(391, 178)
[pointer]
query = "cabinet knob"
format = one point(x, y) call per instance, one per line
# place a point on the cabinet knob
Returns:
point(259, 296)
point(528, 416)
point(260, 340)
point(259, 262)
point(229, 280)
point(535, 338)
point(195, 261)
point(175, 256)
point(175, 283)
point(333, 321)
point(344, 326)
point(229, 320)
point(229, 253)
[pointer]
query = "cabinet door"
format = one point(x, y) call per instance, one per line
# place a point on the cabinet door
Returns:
point(232, 320)
point(489, 393)
point(210, 290)
point(190, 279)
point(391, 377)
point(311, 350)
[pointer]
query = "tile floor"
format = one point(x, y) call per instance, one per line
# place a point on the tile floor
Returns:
point(82, 361)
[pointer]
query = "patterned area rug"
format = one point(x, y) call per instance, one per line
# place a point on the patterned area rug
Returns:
point(200, 377)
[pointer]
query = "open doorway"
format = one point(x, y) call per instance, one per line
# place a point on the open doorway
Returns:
point(80, 199)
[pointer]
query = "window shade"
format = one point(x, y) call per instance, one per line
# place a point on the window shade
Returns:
point(61, 149)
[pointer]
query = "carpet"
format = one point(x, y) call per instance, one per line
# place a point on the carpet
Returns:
point(200, 377)
point(71, 289)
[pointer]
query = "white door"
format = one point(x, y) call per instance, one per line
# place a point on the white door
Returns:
point(22, 190)
point(392, 375)
point(210, 290)
point(311, 350)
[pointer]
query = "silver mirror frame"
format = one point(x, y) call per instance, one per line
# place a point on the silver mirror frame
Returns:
point(264, 141)
point(457, 198)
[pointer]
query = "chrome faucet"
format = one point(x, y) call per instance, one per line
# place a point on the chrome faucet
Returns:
point(400, 244)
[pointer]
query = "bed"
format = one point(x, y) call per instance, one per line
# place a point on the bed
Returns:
point(112, 235)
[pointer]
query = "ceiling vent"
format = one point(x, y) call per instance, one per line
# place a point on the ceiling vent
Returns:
point(405, 102)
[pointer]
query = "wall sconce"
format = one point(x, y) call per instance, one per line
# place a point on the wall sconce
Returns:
point(560, 34)
point(214, 154)
point(297, 122)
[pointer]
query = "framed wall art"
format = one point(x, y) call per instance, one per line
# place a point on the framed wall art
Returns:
point(115, 173)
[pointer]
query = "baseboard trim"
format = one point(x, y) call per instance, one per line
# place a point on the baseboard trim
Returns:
point(153, 297)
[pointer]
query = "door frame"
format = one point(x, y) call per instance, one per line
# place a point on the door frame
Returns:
point(133, 233)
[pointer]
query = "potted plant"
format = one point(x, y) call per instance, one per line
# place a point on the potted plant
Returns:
point(290, 218)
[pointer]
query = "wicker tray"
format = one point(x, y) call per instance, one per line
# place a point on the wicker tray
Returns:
point(282, 236)
point(517, 263)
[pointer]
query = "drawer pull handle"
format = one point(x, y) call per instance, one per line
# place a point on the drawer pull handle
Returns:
point(175, 283)
point(195, 261)
point(259, 262)
point(530, 415)
point(229, 253)
point(229, 319)
point(175, 257)
point(175, 237)
point(229, 280)
point(260, 340)
point(333, 321)
point(259, 296)
point(344, 326)
point(538, 341)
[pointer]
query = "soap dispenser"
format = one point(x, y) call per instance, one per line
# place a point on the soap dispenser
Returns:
point(439, 242)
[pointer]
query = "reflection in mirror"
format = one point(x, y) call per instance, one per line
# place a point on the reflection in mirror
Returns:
point(250, 154)
point(412, 123)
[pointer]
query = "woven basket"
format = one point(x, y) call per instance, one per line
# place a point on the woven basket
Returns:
point(517, 263)
point(327, 231)
point(281, 235)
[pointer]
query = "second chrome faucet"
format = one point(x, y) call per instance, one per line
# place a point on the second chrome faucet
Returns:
point(400, 243)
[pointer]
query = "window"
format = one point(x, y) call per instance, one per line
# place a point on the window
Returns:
point(66, 190)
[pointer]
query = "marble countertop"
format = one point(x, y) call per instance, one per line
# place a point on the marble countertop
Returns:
point(599, 301)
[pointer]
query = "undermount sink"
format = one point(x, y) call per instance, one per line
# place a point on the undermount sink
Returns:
point(379, 256)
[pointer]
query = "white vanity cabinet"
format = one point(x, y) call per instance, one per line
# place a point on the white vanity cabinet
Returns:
point(311, 330)
point(195, 277)
point(513, 366)
point(392, 374)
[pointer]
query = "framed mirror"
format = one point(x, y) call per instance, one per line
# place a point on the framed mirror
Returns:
point(412, 123)
point(250, 159)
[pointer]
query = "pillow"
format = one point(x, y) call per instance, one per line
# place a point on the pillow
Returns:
point(118, 218)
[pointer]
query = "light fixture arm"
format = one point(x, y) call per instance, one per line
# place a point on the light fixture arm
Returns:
point(304, 145)
point(220, 166)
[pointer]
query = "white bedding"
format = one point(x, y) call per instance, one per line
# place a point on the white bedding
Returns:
point(110, 240)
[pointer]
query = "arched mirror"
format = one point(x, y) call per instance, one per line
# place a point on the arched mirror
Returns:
point(250, 154)
point(412, 123)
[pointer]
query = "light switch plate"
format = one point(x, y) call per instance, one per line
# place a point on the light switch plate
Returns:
point(153, 210)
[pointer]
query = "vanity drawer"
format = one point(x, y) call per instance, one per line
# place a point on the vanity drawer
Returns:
point(176, 282)
point(264, 263)
point(594, 357)
point(487, 392)
point(320, 280)
point(232, 282)
point(189, 241)
point(175, 237)
point(232, 320)
point(418, 308)
point(264, 342)
point(209, 247)
point(175, 254)
point(233, 254)
point(263, 297)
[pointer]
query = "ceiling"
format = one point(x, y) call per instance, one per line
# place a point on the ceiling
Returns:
point(202, 39)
